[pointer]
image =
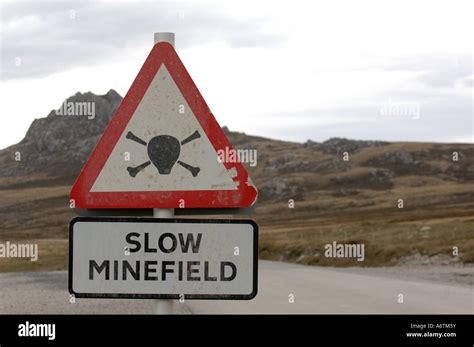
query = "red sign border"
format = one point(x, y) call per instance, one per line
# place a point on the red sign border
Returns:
point(162, 53)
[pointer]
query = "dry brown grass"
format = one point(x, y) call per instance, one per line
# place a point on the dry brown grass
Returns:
point(437, 216)
point(385, 243)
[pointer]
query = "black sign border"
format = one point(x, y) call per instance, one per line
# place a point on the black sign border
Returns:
point(165, 296)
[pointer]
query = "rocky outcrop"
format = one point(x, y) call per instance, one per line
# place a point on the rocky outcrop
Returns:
point(58, 145)
point(403, 162)
point(337, 145)
point(279, 188)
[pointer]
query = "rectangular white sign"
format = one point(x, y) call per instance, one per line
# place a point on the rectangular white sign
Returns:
point(163, 258)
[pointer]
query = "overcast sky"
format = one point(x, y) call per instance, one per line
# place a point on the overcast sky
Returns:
point(397, 71)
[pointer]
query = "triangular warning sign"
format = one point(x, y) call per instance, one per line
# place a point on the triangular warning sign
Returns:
point(160, 150)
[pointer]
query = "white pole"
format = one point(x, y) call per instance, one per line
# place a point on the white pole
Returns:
point(165, 37)
point(164, 306)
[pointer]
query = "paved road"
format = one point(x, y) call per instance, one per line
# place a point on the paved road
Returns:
point(314, 290)
point(325, 290)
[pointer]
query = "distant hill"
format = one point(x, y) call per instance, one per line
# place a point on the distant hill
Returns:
point(59, 145)
point(335, 199)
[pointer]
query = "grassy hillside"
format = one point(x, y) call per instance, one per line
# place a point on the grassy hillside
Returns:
point(351, 201)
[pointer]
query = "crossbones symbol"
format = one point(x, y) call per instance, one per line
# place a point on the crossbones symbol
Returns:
point(163, 151)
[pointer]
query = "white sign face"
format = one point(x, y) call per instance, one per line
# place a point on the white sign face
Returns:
point(167, 147)
point(163, 258)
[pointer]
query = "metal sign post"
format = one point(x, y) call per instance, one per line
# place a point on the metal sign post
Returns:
point(172, 141)
point(164, 306)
